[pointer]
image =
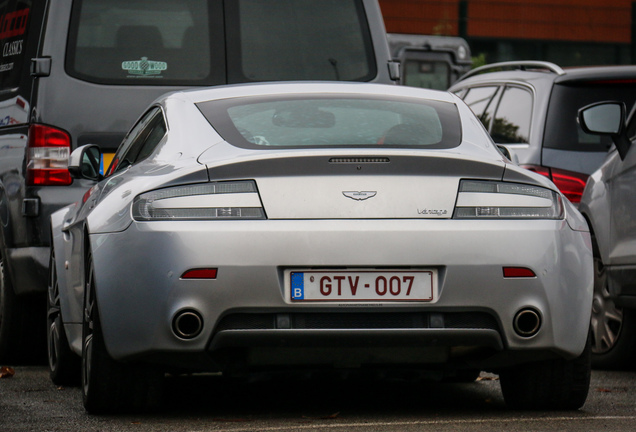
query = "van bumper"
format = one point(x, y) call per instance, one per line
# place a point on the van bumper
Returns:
point(29, 269)
point(622, 285)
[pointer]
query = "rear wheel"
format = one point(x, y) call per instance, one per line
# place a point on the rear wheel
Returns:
point(109, 386)
point(613, 327)
point(548, 385)
point(22, 339)
point(64, 364)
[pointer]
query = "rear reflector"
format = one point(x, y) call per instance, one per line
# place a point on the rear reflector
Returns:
point(208, 273)
point(571, 184)
point(47, 156)
point(518, 272)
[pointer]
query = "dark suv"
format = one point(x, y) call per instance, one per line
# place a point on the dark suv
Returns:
point(74, 72)
point(531, 109)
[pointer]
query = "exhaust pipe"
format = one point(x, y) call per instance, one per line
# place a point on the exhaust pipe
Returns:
point(527, 322)
point(187, 324)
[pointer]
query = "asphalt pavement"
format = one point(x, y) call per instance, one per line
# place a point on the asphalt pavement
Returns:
point(29, 401)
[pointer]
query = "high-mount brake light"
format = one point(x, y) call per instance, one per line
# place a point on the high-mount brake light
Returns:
point(570, 183)
point(47, 156)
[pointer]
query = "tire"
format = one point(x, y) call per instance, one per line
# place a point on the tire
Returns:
point(613, 327)
point(64, 364)
point(22, 336)
point(557, 384)
point(109, 386)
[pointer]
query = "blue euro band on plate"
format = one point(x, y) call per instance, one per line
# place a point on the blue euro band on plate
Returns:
point(298, 286)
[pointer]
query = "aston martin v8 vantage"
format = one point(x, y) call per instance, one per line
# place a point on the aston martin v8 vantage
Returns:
point(317, 225)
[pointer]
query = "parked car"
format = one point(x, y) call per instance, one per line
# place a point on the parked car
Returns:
point(609, 204)
point(531, 108)
point(80, 72)
point(337, 225)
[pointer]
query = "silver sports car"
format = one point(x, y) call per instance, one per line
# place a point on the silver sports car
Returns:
point(317, 225)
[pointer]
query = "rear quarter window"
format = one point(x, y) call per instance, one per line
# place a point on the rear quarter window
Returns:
point(481, 102)
point(512, 119)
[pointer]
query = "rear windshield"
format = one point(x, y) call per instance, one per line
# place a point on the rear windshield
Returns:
point(562, 130)
point(426, 74)
point(299, 39)
point(209, 42)
point(265, 122)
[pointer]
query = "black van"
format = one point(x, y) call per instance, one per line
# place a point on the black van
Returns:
point(74, 72)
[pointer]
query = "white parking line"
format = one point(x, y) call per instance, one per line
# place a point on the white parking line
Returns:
point(324, 426)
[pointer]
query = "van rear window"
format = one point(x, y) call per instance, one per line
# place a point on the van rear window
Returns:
point(143, 42)
point(209, 42)
point(298, 39)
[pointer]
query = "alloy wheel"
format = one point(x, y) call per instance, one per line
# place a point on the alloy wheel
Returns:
point(87, 328)
point(607, 318)
point(53, 315)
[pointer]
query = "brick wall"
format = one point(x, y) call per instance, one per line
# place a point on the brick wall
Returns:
point(564, 20)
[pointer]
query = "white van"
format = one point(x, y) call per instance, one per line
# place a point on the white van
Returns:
point(74, 72)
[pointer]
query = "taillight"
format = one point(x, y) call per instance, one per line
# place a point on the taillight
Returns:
point(48, 150)
point(571, 184)
point(478, 199)
point(202, 201)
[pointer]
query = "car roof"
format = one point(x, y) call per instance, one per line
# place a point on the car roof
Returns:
point(307, 88)
point(597, 72)
point(532, 71)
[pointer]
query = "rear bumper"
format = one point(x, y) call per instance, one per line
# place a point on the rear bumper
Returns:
point(140, 293)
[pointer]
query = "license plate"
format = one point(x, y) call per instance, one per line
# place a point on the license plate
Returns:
point(353, 286)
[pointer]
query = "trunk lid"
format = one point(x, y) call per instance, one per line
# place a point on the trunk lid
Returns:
point(387, 186)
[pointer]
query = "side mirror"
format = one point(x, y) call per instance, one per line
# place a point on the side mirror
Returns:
point(606, 118)
point(84, 162)
point(603, 118)
point(504, 151)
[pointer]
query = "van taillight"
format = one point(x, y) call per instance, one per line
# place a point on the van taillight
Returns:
point(571, 184)
point(48, 150)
